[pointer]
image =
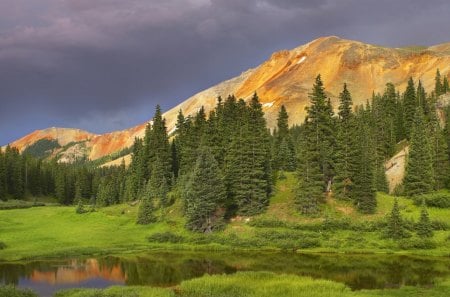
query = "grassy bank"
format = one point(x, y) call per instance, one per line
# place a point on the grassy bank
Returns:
point(53, 231)
point(257, 284)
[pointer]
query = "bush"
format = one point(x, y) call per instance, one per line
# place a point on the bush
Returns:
point(417, 243)
point(437, 199)
point(166, 237)
point(440, 225)
point(2, 245)
point(10, 291)
point(267, 223)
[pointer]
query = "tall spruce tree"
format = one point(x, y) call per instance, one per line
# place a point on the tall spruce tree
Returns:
point(204, 194)
point(438, 84)
point(310, 188)
point(419, 169)
point(445, 86)
point(284, 153)
point(346, 147)
point(319, 115)
point(409, 105)
point(146, 211)
point(364, 191)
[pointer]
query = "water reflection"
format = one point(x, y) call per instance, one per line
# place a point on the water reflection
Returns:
point(168, 269)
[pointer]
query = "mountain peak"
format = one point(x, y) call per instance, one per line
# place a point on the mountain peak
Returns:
point(286, 79)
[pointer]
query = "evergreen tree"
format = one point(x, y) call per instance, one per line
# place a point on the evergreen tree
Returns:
point(204, 194)
point(363, 191)
point(423, 227)
point(419, 171)
point(438, 84)
point(284, 147)
point(409, 104)
point(146, 208)
point(319, 115)
point(395, 225)
point(310, 186)
point(346, 147)
point(445, 86)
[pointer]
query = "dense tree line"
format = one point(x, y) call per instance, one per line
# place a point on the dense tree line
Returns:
point(224, 164)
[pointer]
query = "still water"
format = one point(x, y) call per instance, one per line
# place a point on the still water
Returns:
point(169, 269)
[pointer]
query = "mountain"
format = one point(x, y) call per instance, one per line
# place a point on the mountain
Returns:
point(285, 78)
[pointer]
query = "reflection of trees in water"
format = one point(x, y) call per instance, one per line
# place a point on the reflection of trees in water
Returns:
point(168, 269)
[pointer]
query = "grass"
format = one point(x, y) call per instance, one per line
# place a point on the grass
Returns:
point(256, 284)
point(53, 231)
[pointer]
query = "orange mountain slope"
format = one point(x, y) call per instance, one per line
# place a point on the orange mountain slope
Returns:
point(286, 78)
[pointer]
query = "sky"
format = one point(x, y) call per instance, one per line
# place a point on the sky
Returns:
point(103, 65)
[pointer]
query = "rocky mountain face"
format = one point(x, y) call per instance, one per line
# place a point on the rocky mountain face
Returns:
point(285, 78)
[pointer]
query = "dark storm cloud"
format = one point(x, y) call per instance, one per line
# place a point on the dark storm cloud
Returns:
point(103, 64)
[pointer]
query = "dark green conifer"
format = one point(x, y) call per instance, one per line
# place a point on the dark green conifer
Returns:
point(423, 227)
point(419, 171)
point(409, 105)
point(146, 208)
point(284, 153)
point(204, 194)
point(395, 226)
point(438, 84)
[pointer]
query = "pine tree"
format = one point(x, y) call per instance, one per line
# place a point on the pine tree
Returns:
point(395, 225)
point(364, 191)
point(319, 115)
point(438, 84)
point(419, 171)
point(409, 104)
point(146, 208)
point(310, 187)
point(445, 86)
point(423, 227)
point(204, 194)
point(284, 146)
point(346, 147)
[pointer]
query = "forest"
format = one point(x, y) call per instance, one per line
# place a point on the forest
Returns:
point(225, 163)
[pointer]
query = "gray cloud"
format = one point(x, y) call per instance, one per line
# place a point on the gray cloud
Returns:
point(104, 64)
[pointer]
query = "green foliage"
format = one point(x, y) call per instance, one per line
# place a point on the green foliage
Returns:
point(2, 245)
point(80, 208)
point(166, 237)
point(119, 291)
point(436, 199)
point(395, 227)
point(41, 148)
point(284, 149)
point(417, 243)
point(146, 212)
point(424, 227)
point(419, 172)
point(204, 194)
point(10, 291)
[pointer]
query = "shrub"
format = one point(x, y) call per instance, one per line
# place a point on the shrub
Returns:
point(437, 199)
point(417, 243)
point(439, 225)
point(10, 291)
point(166, 237)
point(2, 245)
point(267, 223)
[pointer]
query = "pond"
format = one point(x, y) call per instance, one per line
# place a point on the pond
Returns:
point(169, 269)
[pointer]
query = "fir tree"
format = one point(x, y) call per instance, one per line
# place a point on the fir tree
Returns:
point(284, 146)
point(423, 227)
point(310, 177)
point(319, 115)
point(445, 86)
point(409, 104)
point(346, 147)
point(438, 84)
point(146, 209)
point(395, 225)
point(364, 192)
point(204, 194)
point(419, 171)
